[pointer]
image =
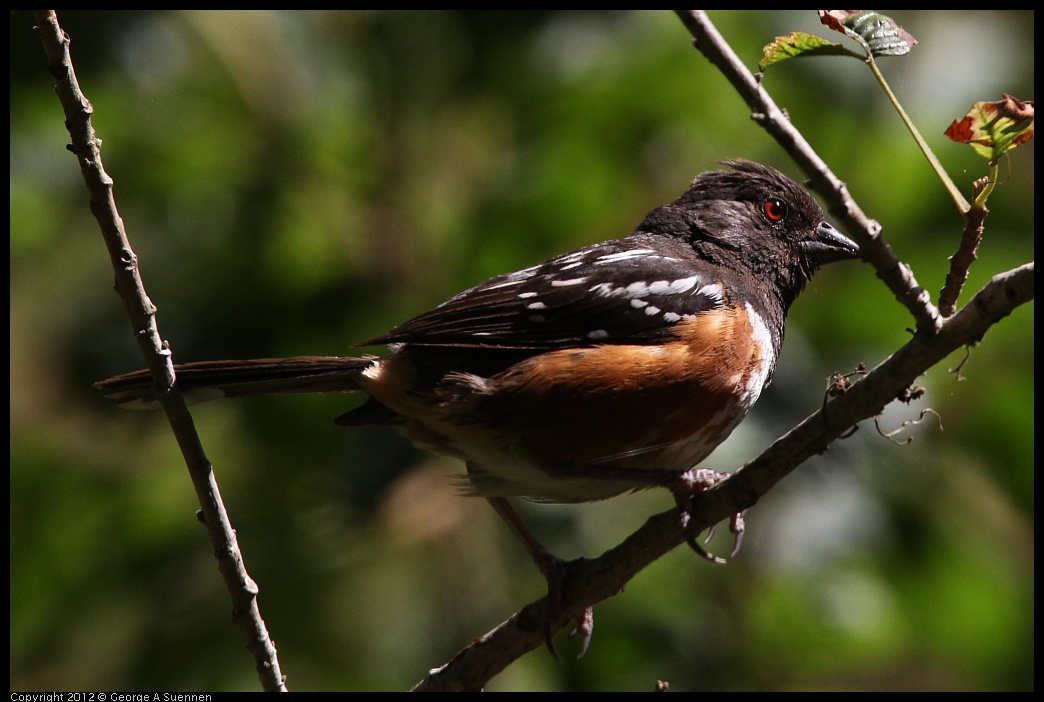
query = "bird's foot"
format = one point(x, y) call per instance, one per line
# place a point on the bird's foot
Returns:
point(690, 484)
point(554, 570)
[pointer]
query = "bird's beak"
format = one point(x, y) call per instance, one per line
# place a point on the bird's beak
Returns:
point(829, 245)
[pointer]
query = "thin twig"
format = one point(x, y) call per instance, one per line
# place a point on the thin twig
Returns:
point(967, 252)
point(142, 313)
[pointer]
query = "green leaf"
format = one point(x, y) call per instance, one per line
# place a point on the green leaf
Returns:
point(994, 128)
point(800, 44)
point(880, 34)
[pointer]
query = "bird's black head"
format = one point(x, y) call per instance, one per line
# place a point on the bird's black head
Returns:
point(754, 218)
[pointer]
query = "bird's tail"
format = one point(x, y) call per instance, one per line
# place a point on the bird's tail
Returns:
point(212, 380)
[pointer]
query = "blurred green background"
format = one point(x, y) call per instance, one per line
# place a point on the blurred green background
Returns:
point(294, 182)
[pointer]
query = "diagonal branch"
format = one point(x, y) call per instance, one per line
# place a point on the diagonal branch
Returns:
point(142, 313)
point(896, 275)
point(588, 582)
point(591, 581)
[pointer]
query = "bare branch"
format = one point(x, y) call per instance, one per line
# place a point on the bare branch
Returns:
point(142, 313)
point(591, 581)
point(866, 232)
point(966, 254)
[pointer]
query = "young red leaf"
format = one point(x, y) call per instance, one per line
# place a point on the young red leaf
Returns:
point(994, 128)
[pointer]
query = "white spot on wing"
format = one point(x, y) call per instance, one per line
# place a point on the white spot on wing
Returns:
point(505, 284)
point(598, 334)
point(536, 306)
point(637, 289)
point(684, 284)
point(564, 283)
point(714, 291)
point(623, 255)
point(640, 288)
point(515, 278)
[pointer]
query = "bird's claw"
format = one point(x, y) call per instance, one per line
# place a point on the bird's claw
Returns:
point(554, 571)
point(692, 483)
point(584, 628)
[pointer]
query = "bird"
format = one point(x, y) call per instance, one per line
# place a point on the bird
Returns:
point(616, 367)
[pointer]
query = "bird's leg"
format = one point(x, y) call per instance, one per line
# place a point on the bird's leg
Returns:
point(553, 570)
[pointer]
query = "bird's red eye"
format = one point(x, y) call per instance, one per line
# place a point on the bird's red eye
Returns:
point(775, 209)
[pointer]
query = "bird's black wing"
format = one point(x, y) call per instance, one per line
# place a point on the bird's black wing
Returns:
point(631, 290)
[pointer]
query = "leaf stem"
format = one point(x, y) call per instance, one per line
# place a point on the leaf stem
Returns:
point(991, 182)
point(958, 199)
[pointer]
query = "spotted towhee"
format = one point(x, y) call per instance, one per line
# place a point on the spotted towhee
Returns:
point(613, 368)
